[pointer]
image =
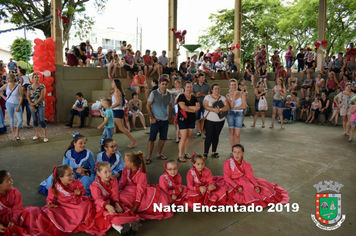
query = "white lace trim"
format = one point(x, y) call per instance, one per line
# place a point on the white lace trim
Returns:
point(81, 161)
point(103, 190)
point(169, 181)
point(60, 189)
point(195, 176)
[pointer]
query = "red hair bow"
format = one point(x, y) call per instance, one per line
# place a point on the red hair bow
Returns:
point(55, 171)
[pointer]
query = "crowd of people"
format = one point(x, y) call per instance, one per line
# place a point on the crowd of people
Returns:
point(113, 190)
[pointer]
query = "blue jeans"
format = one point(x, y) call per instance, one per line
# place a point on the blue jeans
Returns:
point(11, 110)
point(234, 119)
point(39, 115)
point(233, 67)
point(108, 132)
point(289, 64)
point(294, 113)
point(24, 105)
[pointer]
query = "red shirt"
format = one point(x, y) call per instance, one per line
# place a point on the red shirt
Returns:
point(351, 53)
point(215, 57)
point(147, 59)
point(140, 81)
point(282, 73)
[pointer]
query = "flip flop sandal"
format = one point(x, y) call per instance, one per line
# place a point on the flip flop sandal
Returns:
point(181, 159)
point(148, 161)
point(162, 157)
point(187, 156)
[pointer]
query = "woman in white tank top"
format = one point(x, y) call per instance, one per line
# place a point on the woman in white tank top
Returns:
point(14, 99)
point(117, 106)
point(237, 102)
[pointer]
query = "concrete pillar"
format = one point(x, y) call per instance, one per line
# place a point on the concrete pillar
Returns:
point(57, 31)
point(237, 32)
point(321, 31)
point(172, 23)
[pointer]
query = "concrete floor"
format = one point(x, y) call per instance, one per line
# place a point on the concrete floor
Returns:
point(296, 158)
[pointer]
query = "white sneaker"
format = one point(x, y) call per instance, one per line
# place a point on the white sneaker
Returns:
point(45, 140)
point(35, 138)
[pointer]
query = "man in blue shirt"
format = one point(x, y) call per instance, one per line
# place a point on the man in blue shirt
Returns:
point(159, 107)
point(12, 66)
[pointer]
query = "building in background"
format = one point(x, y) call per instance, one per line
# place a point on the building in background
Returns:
point(107, 38)
point(5, 55)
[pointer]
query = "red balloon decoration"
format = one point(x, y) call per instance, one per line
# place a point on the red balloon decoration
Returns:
point(51, 99)
point(41, 58)
point(49, 79)
point(49, 89)
point(44, 64)
point(317, 44)
point(324, 43)
point(43, 46)
point(38, 41)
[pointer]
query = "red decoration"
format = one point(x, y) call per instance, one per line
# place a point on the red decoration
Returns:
point(65, 20)
point(232, 47)
point(238, 46)
point(317, 44)
point(324, 43)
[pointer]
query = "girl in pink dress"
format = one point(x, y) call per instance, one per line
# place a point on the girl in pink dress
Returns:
point(201, 186)
point(243, 188)
point(67, 210)
point(10, 206)
point(110, 212)
point(171, 183)
point(136, 194)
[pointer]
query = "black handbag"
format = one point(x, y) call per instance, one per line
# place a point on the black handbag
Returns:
point(220, 104)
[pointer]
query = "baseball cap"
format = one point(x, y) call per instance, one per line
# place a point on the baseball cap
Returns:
point(308, 47)
point(109, 50)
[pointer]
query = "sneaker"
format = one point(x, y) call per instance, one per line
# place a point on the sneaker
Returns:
point(198, 134)
point(35, 138)
point(45, 140)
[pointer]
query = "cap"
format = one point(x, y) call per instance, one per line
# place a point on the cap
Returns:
point(308, 47)
point(164, 79)
point(109, 50)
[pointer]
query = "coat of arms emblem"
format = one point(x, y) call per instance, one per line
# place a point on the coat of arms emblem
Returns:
point(328, 206)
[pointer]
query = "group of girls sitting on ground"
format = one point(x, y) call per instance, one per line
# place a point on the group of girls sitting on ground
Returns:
point(120, 196)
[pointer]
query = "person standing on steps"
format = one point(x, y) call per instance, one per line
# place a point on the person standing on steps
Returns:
point(118, 104)
point(200, 90)
point(80, 108)
point(159, 107)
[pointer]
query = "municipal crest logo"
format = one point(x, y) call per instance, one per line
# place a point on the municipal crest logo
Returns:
point(328, 206)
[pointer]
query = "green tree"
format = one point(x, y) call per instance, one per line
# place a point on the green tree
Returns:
point(279, 25)
point(21, 49)
point(26, 11)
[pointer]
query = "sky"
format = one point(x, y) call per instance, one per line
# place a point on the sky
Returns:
point(152, 16)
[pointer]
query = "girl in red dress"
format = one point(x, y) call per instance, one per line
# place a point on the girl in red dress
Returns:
point(136, 194)
point(67, 210)
point(105, 192)
point(243, 188)
point(10, 206)
point(171, 183)
point(201, 186)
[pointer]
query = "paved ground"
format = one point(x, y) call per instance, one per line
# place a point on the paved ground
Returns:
point(296, 158)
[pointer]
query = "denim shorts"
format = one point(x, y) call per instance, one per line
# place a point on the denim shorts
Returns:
point(108, 132)
point(277, 103)
point(133, 88)
point(289, 64)
point(353, 123)
point(183, 125)
point(160, 126)
point(118, 114)
point(234, 119)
